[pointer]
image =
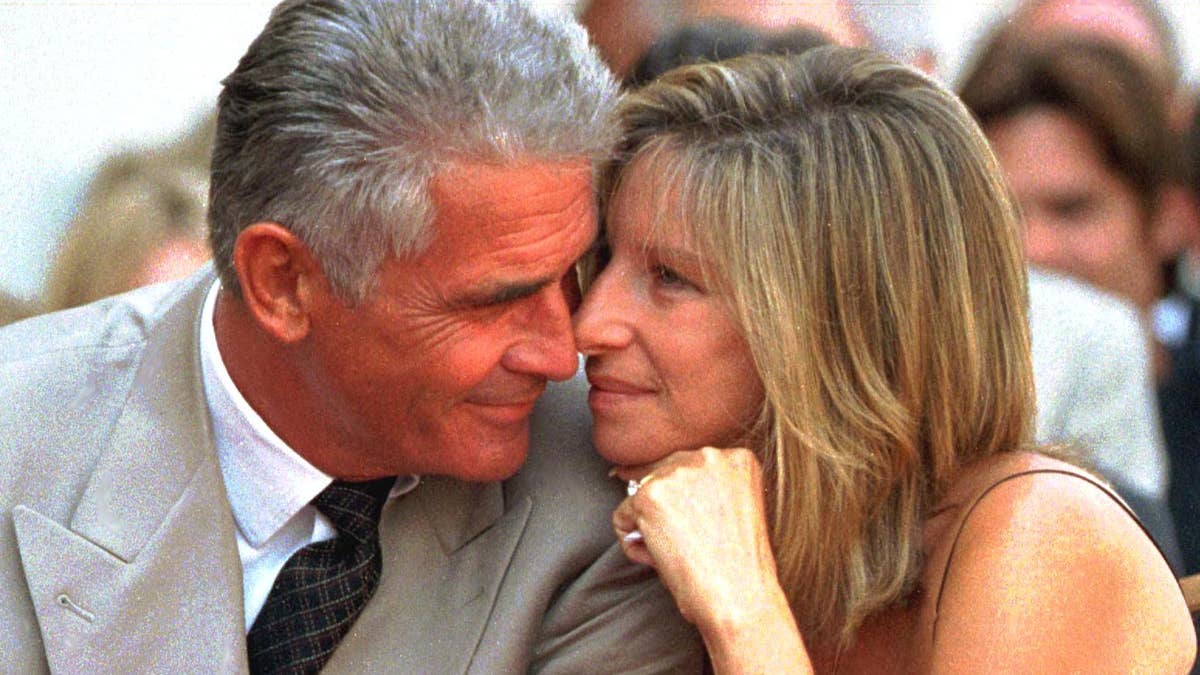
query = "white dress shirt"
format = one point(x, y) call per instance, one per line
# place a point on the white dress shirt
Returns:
point(269, 484)
point(1092, 373)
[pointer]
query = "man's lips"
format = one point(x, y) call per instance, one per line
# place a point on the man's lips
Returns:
point(509, 407)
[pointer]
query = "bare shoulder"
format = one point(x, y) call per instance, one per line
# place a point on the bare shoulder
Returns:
point(1049, 573)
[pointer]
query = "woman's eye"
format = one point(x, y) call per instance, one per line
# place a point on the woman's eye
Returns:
point(669, 277)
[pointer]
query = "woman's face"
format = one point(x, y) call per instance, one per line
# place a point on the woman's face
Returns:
point(668, 367)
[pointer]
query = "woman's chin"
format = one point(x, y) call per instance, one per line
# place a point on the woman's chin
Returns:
point(626, 451)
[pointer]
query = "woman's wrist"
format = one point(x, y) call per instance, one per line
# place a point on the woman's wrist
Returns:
point(758, 630)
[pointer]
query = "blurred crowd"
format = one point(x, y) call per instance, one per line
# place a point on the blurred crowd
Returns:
point(1089, 117)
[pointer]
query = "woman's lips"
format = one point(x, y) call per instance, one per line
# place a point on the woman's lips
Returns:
point(608, 393)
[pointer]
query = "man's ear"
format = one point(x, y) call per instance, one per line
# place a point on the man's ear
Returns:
point(279, 277)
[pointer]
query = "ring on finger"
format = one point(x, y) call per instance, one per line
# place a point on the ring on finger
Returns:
point(635, 484)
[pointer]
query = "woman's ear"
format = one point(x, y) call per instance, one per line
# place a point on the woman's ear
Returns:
point(278, 275)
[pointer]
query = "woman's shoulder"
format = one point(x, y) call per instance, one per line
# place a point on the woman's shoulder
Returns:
point(975, 479)
point(1034, 563)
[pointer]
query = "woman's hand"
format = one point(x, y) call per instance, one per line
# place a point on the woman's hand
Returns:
point(703, 521)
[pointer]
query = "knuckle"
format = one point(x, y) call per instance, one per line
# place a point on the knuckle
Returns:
point(744, 458)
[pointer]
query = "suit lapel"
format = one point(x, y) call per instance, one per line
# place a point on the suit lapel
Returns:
point(446, 548)
point(147, 576)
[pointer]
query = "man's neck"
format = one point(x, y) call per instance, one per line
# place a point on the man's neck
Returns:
point(265, 372)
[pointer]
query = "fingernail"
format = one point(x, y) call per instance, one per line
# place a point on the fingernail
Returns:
point(612, 473)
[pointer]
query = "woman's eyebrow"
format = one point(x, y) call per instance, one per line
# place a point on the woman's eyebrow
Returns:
point(676, 255)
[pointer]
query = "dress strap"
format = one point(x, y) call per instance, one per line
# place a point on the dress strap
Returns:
point(983, 493)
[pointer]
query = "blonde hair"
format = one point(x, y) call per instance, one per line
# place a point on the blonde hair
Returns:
point(859, 225)
point(139, 200)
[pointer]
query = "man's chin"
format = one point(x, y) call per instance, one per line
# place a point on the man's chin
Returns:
point(495, 467)
point(492, 455)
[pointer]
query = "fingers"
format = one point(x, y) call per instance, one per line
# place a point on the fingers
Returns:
point(625, 526)
point(640, 471)
point(724, 472)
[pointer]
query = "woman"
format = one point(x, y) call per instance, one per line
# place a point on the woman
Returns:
point(814, 262)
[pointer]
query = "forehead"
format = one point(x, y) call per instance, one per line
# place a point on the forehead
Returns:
point(1025, 138)
point(647, 204)
point(527, 209)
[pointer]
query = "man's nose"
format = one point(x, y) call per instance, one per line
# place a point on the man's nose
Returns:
point(548, 348)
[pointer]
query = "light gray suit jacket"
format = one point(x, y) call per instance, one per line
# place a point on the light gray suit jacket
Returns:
point(117, 545)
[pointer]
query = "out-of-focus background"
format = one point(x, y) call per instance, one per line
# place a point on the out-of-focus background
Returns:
point(85, 79)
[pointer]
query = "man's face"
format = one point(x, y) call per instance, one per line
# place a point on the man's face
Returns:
point(1082, 217)
point(437, 371)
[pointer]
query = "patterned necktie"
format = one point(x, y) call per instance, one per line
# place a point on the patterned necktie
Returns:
point(324, 586)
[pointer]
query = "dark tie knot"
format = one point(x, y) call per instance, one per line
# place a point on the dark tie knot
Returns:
point(354, 508)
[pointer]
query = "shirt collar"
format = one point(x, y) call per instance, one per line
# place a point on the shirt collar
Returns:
point(267, 482)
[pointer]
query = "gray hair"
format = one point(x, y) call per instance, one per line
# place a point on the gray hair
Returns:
point(341, 111)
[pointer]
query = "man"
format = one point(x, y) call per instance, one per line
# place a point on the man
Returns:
point(202, 476)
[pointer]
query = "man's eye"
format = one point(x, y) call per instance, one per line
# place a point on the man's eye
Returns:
point(1073, 209)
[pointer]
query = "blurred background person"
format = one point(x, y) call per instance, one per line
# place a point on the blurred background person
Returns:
point(715, 39)
point(1080, 129)
point(1143, 30)
point(1139, 27)
point(1179, 395)
point(142, 221)
point(624, 30)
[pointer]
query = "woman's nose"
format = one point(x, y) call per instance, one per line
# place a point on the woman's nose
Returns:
point(603, 322)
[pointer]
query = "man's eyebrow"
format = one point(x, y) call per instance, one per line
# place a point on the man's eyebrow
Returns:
point(501, 293)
